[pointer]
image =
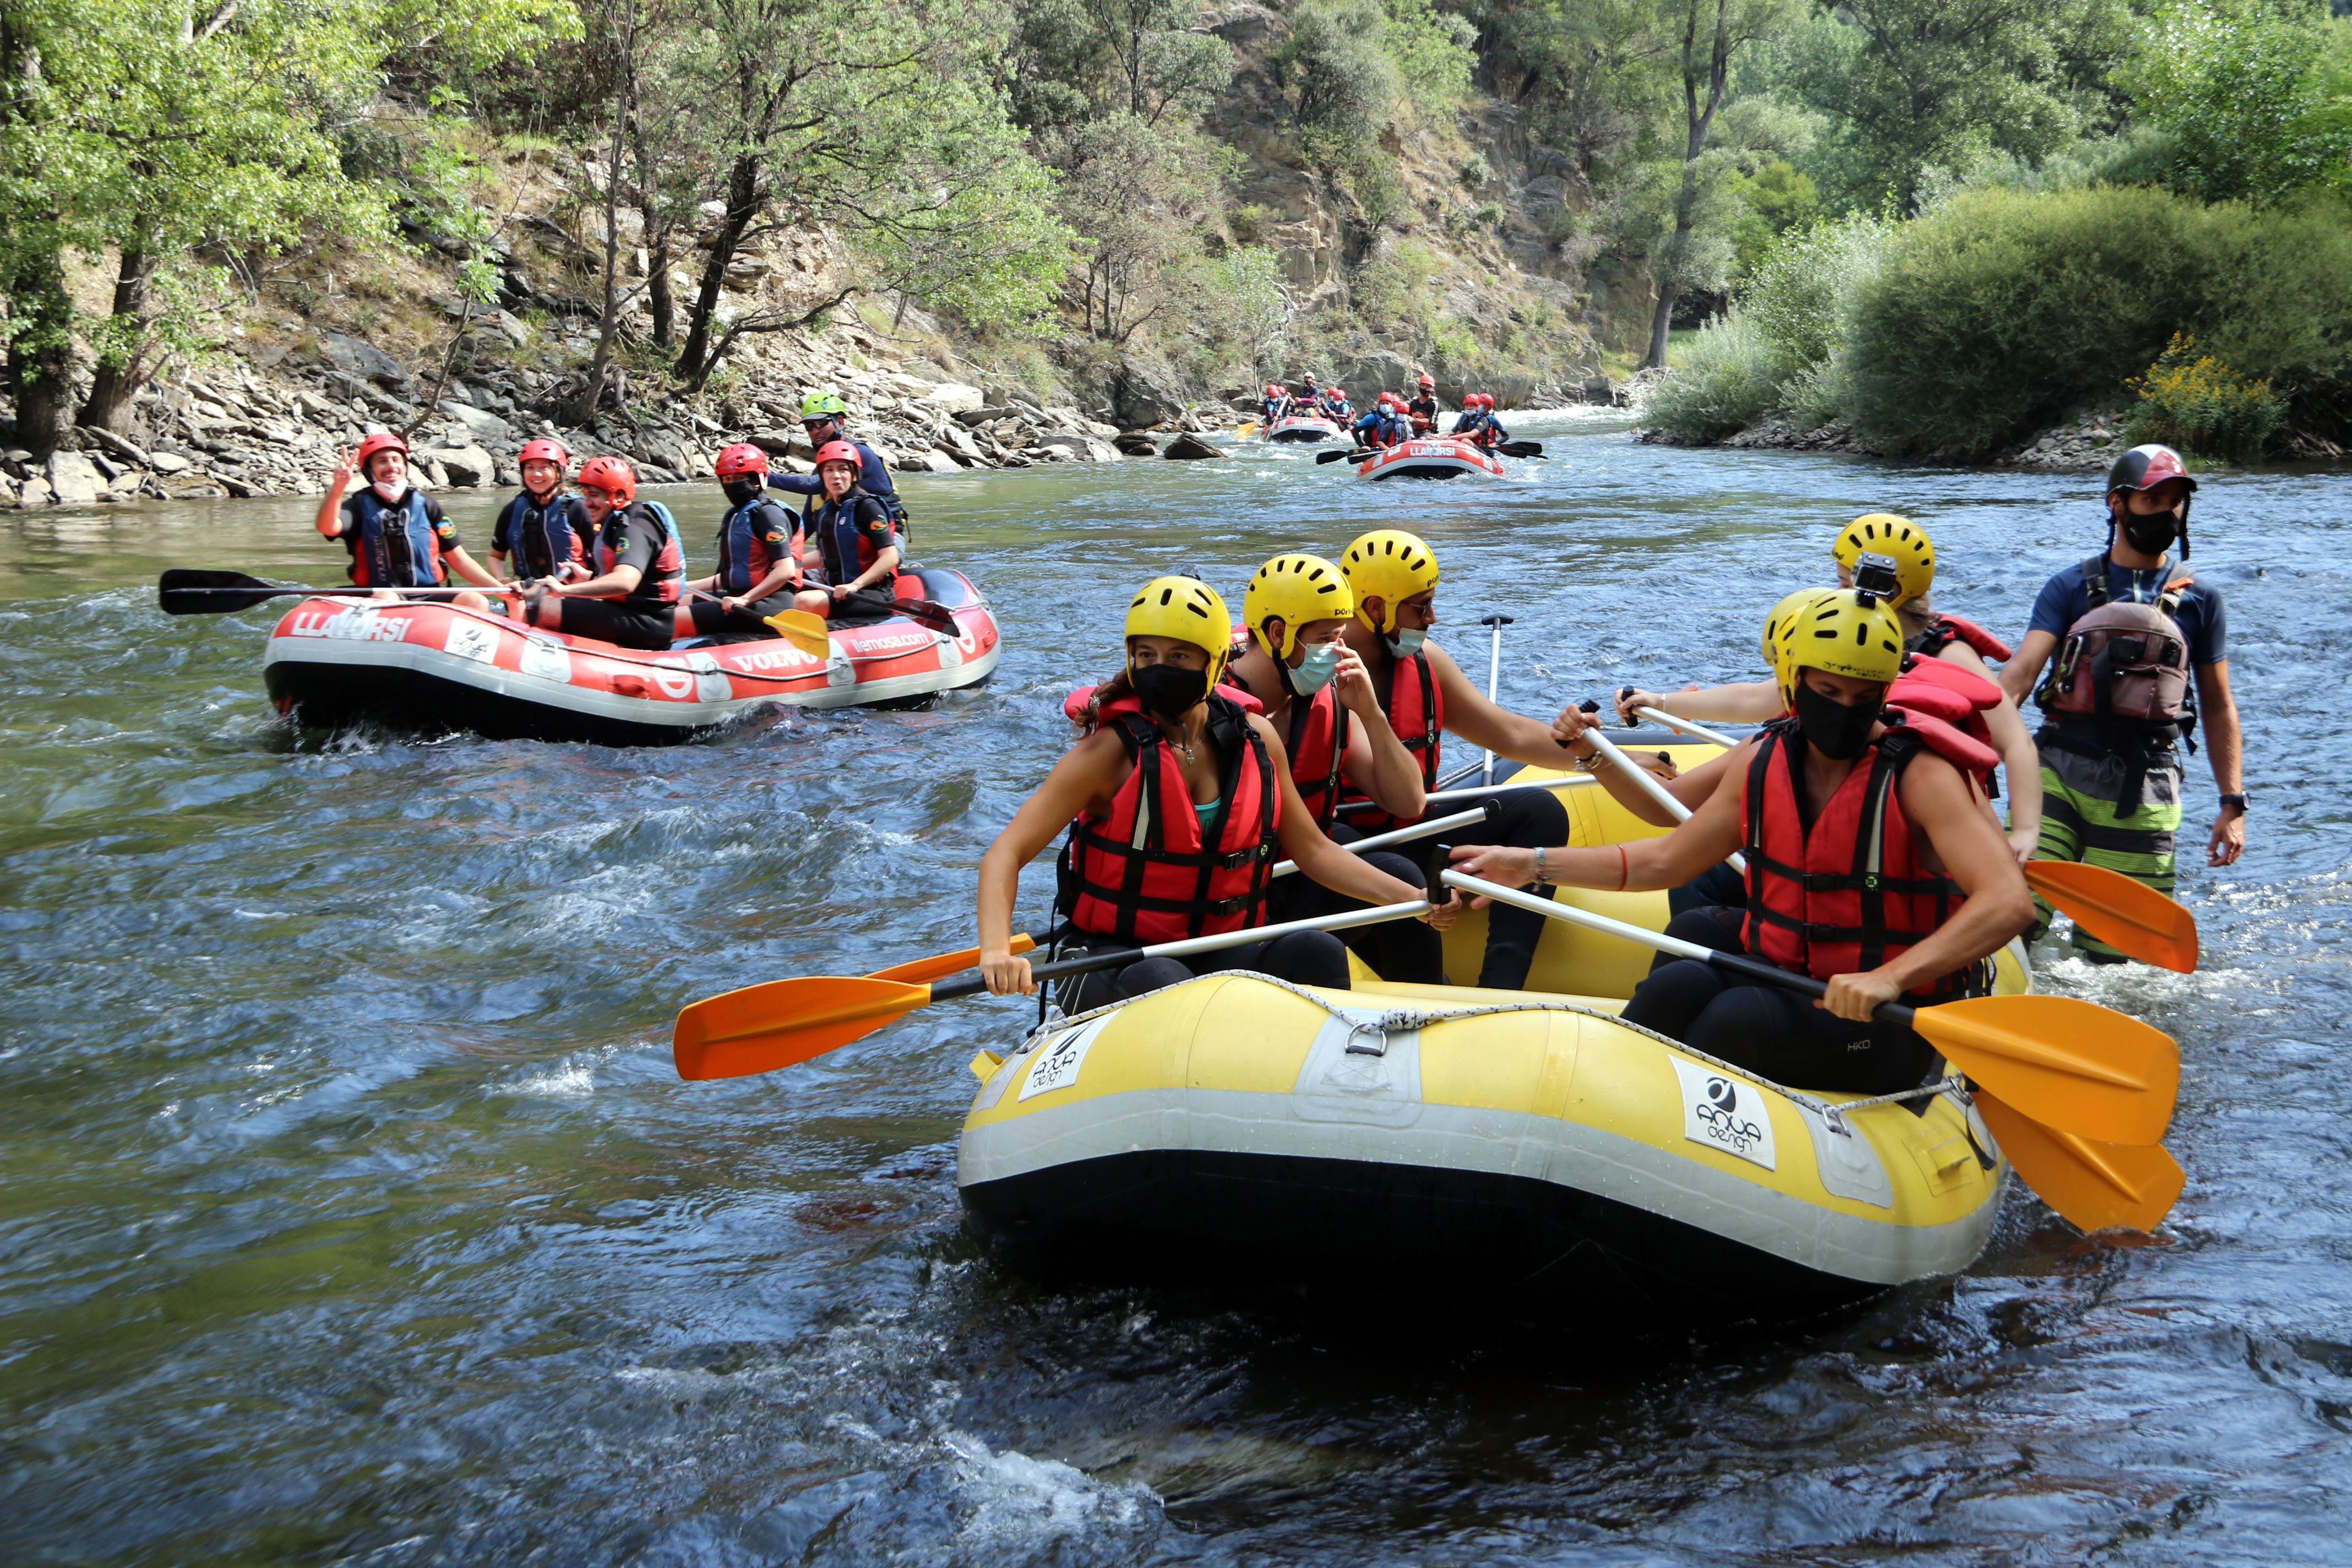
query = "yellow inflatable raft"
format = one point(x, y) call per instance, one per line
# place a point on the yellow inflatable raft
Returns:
point(1530, 1139)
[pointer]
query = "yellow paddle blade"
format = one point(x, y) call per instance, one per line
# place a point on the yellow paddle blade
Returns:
point(2064, 1062)
point(762, 1027)
point(2095, 1185)
point(803, 631)
point(2130, 915)
point(1245, 431)
point(922, 971)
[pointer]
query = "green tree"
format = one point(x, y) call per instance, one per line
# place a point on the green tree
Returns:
point(2256, 95)
point(1140, 195)
point(1141, 57)
point(1707, 35)
point(1912, 85)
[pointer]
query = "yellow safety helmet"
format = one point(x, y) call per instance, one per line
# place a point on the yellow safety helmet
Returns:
point(1301, 589)
point(1885, 533)
point(1190, 611)
point(1844, 632)
point(1781, 616)
point(1390, 564)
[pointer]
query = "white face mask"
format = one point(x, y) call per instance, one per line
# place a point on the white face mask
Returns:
point(392, 491)
point(1406, 643)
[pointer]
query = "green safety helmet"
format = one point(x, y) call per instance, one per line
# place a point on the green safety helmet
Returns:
point(825, 404)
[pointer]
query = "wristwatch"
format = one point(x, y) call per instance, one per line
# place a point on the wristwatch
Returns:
point(2237, 800)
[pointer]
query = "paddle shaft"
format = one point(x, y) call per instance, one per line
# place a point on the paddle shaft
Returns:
point(1445, 796)
point(1650, 785)
point(1191, 946)
point(1660, 716)
point(1429, 828)
point(1494, 624)
point(1732, 963)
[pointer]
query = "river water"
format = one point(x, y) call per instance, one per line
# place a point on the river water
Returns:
point(352, 1213)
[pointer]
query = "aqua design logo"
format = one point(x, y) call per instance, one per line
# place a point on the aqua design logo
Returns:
point(1727, 1113)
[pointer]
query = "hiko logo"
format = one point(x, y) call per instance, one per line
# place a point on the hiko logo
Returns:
point(1725, 1114)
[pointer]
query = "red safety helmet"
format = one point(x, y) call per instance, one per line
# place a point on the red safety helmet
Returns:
point(612, 475)
point(740, 459)
point(2145, 467)
point(839, 452)
point(544, 450)
point(382, 441)
point(1272, 390)
point(1429, 383)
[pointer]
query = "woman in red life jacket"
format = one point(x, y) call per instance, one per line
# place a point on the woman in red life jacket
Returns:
point(1955, 641)
point(632, 600)
point(543, 531)
point(1312, 688)
point(397, 536)
point(758, 554)
point(1871, 865)
point(1393, 576)
point(1178, 808)
point(854, 539)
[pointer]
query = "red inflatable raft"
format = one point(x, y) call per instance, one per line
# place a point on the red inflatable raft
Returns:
point(1431, 457)
point(1303, 428)
point(430, 665)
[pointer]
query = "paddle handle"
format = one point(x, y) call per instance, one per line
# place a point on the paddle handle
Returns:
point(1660, 716)
point(1733, 963)
point(1489, 814)
point(1447, 796)
point(1191, 946)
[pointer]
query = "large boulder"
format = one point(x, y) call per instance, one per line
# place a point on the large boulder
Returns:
point(952, 397)
point(466, 466)
point(1367, 376)
point(1189, 446)
point(74, 480)
point(479, 423)
point(364, 361)
point(1145, 393)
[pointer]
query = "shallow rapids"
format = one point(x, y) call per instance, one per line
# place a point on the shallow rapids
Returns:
point(353, 1214)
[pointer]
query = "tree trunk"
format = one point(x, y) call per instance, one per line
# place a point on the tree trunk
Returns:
point(695, 361)
point(40, 354)
point(1698, 122)
point(583, 412)
point(658, 296)
point(113, 386)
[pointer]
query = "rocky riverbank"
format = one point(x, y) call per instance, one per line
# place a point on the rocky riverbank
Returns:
point(2089, 442)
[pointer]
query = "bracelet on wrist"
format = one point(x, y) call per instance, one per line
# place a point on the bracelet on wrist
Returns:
point(1543, 872)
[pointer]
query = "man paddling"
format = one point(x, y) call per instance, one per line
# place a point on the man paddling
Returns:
point(2143, 650)
point(1871, 866)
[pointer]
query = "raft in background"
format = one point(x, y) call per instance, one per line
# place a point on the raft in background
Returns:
point(430, 665)
point(1528, 1143)
point(1306, 427)
point(1431, 457)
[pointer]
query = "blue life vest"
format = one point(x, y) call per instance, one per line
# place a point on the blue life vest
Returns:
point(403, 555)
point(846, 550)
point(738, 538)
point(551, 528)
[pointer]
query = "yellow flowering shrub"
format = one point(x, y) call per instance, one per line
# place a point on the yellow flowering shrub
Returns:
point(2194, 402)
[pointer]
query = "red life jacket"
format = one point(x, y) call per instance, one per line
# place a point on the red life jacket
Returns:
point(1947, 703)
point(1416, 705)
point(1946, 630)
point(1849, 893)
point(1142, 874)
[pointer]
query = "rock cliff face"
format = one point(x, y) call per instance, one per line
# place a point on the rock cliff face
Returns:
point(1481, 261)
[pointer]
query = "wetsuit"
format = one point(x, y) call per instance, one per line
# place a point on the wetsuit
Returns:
point(753, 537)
point(638, 535)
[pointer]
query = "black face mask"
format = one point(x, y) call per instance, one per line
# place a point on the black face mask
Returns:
point(743, 492)
point(1831, 727)
point(1169, 691)
point(2150, 536)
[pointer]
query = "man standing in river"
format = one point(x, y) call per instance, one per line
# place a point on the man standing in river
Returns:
point(2131, 635)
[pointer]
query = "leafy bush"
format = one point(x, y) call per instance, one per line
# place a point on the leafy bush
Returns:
point(2002, 309)
point(1734, 377)
point(1799, 292)
point(2194, 402)
point(1474, 171)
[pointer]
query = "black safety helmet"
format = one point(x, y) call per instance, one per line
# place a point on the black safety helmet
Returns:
point(2143, 469)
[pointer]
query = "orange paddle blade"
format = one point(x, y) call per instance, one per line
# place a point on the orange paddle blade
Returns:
point(2095, 1185)
point(2064, 1062)
point(762, 1027)
point(2130, 915)
point(922, 971)
point(803, 631)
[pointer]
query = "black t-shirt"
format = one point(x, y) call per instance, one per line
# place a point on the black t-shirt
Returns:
point(635, 537)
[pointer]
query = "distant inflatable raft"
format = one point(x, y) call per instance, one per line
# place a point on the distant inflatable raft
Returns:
point(1531, 1141)
point(1432, 457)
point(429, 665)
point(1303, 428)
